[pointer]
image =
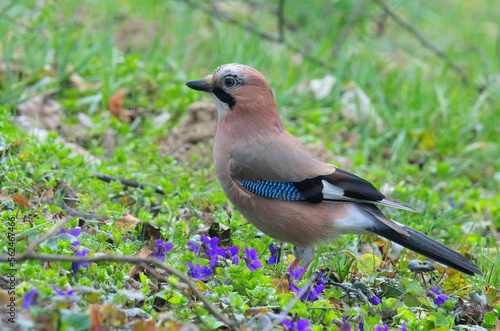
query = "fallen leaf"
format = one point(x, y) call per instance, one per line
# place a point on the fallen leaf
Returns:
point(357, 108)
point(281, 285)
point(80, 83)
point(94, 318)
point(252, 311)
point(135, 269)
point(20, 199)
point(457, 284)
point(222, 232)
point(4, 148)
point(108, 142)
point(4, 196)
point(39, 112)
point(116, 106)
point(368, 262)
point(69, 196)
point(147, 231)
point(127, 222)
point(322, 87)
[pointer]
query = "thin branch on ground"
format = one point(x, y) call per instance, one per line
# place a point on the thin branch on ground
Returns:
point(358, 292)
point(27, 255)
point(31, 248)
point(425, 42)
point(127, 182)
point(263, 34)
point(76, 213)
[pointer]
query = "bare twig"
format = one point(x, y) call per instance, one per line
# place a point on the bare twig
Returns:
point(27, 255)
point(126, 182)
point(263, 34)
point(281, 19)
point(425, 42)
point(76, 213)
point(358, 292)
point(46, 236)
point(357, 14)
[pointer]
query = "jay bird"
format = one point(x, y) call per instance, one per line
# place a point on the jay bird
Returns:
point(286, 191)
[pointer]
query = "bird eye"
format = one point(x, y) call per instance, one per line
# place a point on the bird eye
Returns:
point(229, 81)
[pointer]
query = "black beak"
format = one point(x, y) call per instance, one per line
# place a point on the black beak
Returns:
point(199, 85)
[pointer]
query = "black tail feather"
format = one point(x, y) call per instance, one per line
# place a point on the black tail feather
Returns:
point(426, 246)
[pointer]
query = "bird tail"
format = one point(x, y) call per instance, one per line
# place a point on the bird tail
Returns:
point(419, 242)
point(424, 245)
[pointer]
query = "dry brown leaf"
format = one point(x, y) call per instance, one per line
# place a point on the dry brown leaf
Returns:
point(144, 325)
point(127, 222)
point(357, 108)
point(47, 266)
point(39, 112)
point(222, 232)
point(4, 196)
point(144, 252)
point(115, 102)
point(281, 285)
point(108, 142)
point(69, 196)
point(20, 199)
point(135, 269)
point(116, 106)
point(5, 148)
point(94, 317)
point(80, 83)
point(256, 310)
point(147, 231)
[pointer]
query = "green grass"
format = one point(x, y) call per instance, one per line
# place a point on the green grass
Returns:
point(440, 144)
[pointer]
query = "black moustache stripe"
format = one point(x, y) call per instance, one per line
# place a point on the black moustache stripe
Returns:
point(224, 97)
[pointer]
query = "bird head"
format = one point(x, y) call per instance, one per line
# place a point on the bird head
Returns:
point(238, 88)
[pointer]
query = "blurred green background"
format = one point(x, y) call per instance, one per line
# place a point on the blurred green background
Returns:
point(428, 86)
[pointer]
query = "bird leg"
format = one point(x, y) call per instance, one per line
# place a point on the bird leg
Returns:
point(295, 263)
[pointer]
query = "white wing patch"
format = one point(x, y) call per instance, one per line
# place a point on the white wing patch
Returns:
point(332, 192)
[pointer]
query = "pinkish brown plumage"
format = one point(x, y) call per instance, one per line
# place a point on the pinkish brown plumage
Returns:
point(283, 189)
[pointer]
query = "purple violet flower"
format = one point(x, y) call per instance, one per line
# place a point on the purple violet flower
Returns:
point(301, 325)
point(294, 275)
point(64, 293)
point(439, 299)
point(74, 244)
point(194, 248)
point(210, 246)
point(199, 272)
point(345, 326)
point(161, 249)
point(374, 299)
point(380, 328)
point(231, 255)
point(403, 327)
point(251, 259)
point(77, 265)
point(30, 298)
point(311, 295)
point(75, 232)
point(321, 280)
point(275, 255)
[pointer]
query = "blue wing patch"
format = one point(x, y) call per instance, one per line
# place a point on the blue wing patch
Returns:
point(264, 188)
